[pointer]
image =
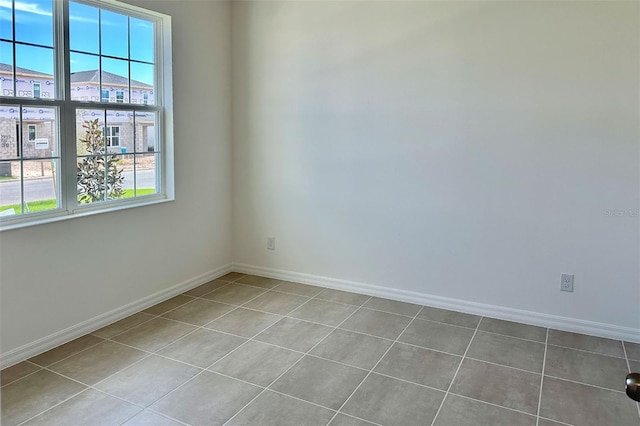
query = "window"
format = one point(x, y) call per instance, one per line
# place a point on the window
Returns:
point(112, 52)
point(32, 132)
point(145, 97)
point(113, 135)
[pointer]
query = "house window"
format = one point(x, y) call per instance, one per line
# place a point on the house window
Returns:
point(32, 133)
point(145, 97)
point(113, 135)
point(84, 50)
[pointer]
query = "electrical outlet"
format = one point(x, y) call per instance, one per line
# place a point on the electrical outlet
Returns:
point(566, 282)
point(271, 243)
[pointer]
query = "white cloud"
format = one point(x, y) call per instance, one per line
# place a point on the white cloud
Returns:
point(25, 7)
point(77, 18)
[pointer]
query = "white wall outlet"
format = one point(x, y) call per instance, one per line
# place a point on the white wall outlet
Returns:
point(566, 282)
point(271, 243)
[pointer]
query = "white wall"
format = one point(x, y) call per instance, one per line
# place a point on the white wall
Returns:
point(57, 275)
point(468, 150)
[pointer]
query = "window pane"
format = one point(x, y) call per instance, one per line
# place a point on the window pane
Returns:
point(6, 17)
point(120, 178)
point(115, 77)
point(146, 174)
point(100, 172)
point(115, 37)
point(6, 68)
point(34, 65)
point(40, 133)
point(83, 28)
point(119, 131)
point(38, 178)
point(89, 140)
point(101, 178)
point(142, 83)
point(10, 196)
point(91, 179)
point(34, 22)
point(40, 185)
point(10, 125)
point(85, 80)
point(145, 132)
point(142, 48)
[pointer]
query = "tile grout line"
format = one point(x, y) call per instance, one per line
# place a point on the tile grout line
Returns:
point(203, 369)
point(317, 297)
point(124, 331)
point(584, 384)
point(376, 364)
point(495, 333)
point(59, 403)
point(537, 373)
point(226, 355)
point(40, 368)
point(314, 356)
point(303, 354)
point(378, 337)
point(198, 327)
point(149, 354)
point(556, 421)
point(209, 366)
point(86, 388)
point(296, 363)
point(493, 404)
point(453, 379)
point(587, 351)
point(103, 338)
point(544, 361)
point(69, 356)
point(321, 406)
point(154, 412)
point(626, 357)
point(247, 339)
point(252, 338)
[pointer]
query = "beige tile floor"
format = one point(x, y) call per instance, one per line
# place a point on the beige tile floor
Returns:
point(251, 350)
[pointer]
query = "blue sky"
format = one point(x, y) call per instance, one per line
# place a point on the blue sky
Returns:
point(34, 24)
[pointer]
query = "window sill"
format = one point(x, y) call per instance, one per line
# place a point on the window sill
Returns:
point(35, 219)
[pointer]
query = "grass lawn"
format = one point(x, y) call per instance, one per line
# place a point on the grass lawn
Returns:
point(36, 206)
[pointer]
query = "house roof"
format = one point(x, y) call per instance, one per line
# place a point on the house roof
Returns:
point(9, 68)
point(92, 76)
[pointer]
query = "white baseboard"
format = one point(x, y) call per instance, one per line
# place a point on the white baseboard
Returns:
point(610, 331)
point(56, 339)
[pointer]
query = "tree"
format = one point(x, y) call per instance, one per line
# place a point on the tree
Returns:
point(98, 173)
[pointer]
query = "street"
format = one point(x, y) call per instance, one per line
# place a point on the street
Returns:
point(42, 189)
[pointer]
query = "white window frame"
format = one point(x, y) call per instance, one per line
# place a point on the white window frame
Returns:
point(120, 96)
point(102, 97)
point(69, 207)
point(110, 137)
point(39, 90)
